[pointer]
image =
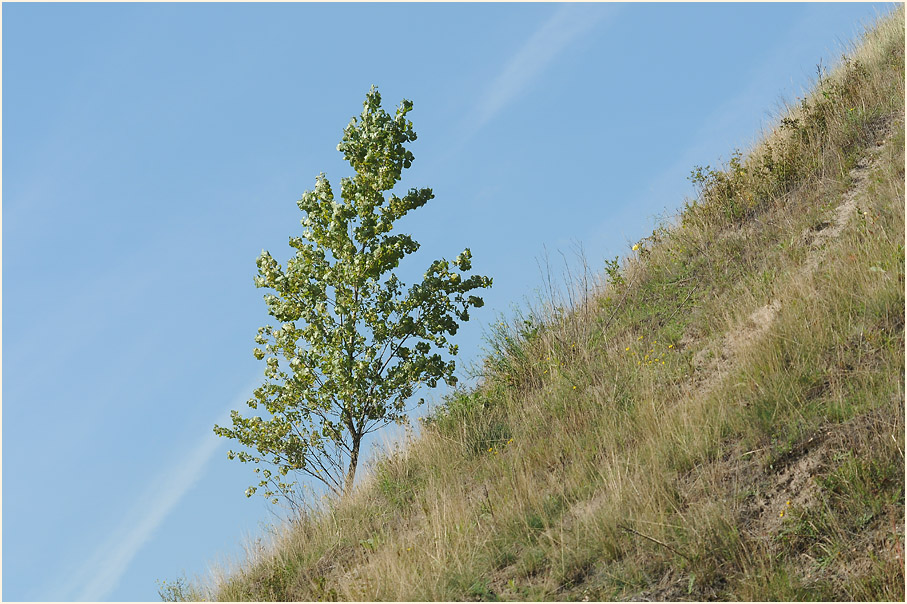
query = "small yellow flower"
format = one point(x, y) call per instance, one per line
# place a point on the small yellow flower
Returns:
point(627, 348)
point(781, 515)
point(788, 502)
point(635, 247)
point(574, 387)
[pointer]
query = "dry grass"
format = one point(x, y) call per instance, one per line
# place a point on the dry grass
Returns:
point(722, 417)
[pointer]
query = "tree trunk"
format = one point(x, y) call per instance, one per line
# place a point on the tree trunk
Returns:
point(354, 460)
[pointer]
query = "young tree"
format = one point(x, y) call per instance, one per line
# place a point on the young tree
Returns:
point(356, 345)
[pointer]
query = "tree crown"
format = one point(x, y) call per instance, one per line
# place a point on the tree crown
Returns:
point(354, 344)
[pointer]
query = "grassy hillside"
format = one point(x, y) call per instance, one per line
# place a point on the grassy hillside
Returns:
point(721, 417)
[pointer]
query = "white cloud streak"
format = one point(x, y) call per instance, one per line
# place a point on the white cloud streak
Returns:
point(567, 24)
point(112, 559)
point(114, 562)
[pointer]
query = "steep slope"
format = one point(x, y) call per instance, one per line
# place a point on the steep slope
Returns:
point(722, 417)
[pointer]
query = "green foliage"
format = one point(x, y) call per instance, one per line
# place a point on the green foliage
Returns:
point(353, 344)
point(471, 419)
point(612, 269)
point(177, 590)
point(726, 188)
point(508, 345)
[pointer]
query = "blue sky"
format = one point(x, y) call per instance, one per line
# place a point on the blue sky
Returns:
point(151, 151)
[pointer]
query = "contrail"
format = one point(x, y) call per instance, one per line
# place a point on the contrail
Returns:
point(112, 559)
point(568, 23)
